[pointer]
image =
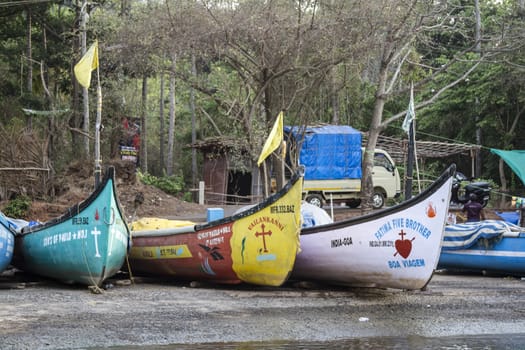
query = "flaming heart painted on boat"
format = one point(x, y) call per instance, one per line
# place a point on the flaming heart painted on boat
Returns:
point(403, 246)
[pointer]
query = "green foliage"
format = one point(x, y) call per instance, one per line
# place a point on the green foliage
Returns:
point(264, 65)
point(187, 197)
point(18, 207)
point(170, 184)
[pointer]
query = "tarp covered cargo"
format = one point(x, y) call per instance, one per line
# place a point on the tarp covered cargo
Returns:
point(328, 152)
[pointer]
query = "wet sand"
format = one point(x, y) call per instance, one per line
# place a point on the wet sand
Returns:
point(49, 315)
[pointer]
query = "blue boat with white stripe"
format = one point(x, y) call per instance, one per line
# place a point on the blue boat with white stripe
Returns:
point(490, 245)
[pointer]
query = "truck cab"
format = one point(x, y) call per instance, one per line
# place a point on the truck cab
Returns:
point(385, 177)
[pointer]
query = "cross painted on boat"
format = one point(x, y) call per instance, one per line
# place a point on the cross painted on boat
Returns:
point(95, 232)
point(263, 234)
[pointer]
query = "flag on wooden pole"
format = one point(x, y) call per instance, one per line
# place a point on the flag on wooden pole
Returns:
point(274, 139)
point(411, 114)
point(87, 63)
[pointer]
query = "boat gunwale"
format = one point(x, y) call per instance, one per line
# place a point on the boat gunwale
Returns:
point(258, 207)
point(79, 207)
point(6, 224)
point(190, 229)
point(434, 187)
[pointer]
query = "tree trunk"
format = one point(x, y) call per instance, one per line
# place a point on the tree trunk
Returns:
point(521, 7)
point(144, 126)
point(507, 141)
point(367, 185)
point(29, 64)
point(85, 94)
point(478, 117)
point(503, 181)
point(74, 119)
point(334, 96)
point(275, 161)
point(193, 131)
point(171, 127)
point(124, 7)
point(162, 122)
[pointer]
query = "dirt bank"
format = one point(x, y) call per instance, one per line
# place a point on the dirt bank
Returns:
point(77, 182)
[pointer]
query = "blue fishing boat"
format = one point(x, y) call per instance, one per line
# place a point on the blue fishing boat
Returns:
point(85, 245)
point(494, 246)
point(7, 242)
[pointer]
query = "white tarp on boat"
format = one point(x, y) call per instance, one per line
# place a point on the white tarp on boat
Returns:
point(313, 215)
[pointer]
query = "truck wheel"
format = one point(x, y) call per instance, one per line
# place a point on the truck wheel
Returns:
point(353, 203)
point(378, 200)
point(315, 199)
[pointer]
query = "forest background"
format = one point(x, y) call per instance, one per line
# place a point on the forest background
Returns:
point(187, 71)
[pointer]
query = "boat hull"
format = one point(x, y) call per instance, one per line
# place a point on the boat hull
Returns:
point(504, 255)
point(86, 245)
point(397, 247)
point(7, 243)
point(256, 246)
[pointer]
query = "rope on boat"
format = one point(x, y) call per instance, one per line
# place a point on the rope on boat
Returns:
point(94, 288)
point(127, 260)
point(139, 199)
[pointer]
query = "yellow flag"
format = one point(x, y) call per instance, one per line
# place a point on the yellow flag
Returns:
point(86, 64)
point(274, 139)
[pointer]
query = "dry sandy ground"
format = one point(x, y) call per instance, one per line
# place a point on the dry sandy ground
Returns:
point(47, 315)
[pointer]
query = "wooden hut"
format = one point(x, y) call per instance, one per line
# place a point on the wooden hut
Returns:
point(230, 175)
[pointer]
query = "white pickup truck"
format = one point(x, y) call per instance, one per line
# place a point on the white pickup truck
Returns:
point(385, 177)
point(332, 157)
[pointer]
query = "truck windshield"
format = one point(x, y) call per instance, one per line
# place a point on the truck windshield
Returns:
point(381, 160)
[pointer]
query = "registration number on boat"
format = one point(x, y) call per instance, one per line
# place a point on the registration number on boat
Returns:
point(339, 242)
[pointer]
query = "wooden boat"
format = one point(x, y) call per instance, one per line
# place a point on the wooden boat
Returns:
point(258, 245)
point(7, 242)
point(397, 247)
point(85, 245)
point(491, 245)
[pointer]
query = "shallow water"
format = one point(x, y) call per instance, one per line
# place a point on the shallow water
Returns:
point(481, 342)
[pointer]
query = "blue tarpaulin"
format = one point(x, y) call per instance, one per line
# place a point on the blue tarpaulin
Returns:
point(328, 152)
point(514, 159)
point(510, 216)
